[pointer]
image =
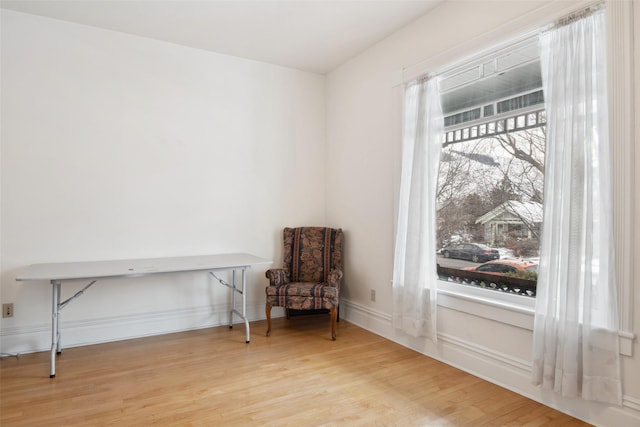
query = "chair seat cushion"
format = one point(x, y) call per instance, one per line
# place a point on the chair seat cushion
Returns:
point(303, 296)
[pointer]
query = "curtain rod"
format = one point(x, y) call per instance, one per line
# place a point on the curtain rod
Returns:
point(577, 15)
point(427, 77)
point(533, 32)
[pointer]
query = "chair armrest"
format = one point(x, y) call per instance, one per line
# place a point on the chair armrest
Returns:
point(335, 278)
point(277, 276)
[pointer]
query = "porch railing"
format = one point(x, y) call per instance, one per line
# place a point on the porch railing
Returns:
point(500, 283)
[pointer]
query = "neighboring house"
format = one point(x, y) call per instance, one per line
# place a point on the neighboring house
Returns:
point(512, 219)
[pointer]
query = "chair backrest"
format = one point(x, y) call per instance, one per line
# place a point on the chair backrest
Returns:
point(310, 253)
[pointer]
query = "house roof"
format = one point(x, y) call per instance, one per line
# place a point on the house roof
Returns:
point(530, 212)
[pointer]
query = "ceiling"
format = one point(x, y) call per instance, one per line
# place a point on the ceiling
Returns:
point(310, 35)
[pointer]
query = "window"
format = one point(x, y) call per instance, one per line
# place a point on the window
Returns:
point(491, 176)
point(514, 309)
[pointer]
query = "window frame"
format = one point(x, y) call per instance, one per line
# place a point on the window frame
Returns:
point(502, 307)
point(518, 310)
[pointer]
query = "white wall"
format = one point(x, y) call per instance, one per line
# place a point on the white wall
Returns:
point(363, 140)
point(116, 146)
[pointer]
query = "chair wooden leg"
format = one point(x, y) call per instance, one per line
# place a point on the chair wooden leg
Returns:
point(334, 317)
point(268, 312)
point(287, 314)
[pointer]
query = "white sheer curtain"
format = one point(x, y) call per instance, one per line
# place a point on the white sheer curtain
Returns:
point(575, 350)
point(414, 275)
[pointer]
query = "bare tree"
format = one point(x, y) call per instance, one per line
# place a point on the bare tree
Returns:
point(527, 145)
point(481, 174)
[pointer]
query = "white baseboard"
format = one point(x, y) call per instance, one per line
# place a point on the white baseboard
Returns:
point(499, 368)
point(36, 338)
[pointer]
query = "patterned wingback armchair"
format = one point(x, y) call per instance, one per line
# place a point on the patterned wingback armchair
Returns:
point(311, 275)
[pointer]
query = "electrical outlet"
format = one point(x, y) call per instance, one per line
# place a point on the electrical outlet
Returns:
point(7, 310)
point(373, 295)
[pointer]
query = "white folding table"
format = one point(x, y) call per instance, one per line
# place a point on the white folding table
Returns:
point(93, 271)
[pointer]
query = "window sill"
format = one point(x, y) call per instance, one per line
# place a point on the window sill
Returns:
point(514, 310)
point(511, 309)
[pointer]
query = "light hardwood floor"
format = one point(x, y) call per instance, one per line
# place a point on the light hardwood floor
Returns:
point(297, 377)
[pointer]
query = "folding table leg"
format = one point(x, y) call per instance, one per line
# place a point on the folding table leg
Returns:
point(55, 327)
